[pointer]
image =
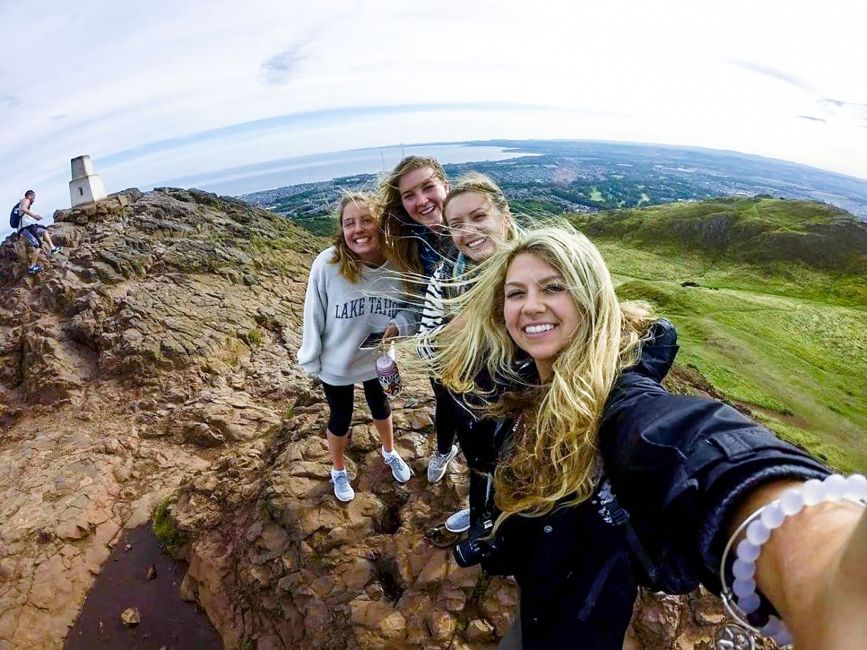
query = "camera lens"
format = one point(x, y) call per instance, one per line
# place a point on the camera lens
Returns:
point(467, 553)
point(472, 551)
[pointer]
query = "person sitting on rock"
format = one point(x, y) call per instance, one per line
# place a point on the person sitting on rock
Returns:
point(353, 292)
point(32, 231)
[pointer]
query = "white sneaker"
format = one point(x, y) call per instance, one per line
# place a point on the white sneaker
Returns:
point(342, 489)
point(439, 463)
point(399, 469)
point(459, 522)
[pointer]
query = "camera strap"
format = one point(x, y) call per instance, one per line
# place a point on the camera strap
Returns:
point(620, 517)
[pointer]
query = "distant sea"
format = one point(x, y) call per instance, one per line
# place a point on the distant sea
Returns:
point(326, 166)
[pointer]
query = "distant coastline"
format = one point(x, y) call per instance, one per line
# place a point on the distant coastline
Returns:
point(550, 177)
point(315, 168)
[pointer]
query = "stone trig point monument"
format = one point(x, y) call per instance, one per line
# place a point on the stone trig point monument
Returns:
point(86, 185)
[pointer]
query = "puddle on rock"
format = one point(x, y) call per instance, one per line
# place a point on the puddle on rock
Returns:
point(166, 620)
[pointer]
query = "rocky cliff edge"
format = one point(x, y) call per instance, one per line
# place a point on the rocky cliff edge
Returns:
point(151, 366)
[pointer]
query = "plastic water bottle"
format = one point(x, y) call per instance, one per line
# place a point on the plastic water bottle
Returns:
point(388, 374)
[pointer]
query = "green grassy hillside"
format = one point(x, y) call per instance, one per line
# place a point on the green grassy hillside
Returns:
point(779, 331)
point(761, 231)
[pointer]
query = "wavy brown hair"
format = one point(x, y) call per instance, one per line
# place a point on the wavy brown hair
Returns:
point(350, 264)
point(401, 247)
point(553, 454)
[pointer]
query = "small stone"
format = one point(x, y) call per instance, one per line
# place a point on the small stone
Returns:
point(7, 568)
point(188, 591)
point(254, 531)
point(273, 538)
point(378, 616)
point(441, 624)
point(420, 421)
point(122, 473)
point(111, 446)
point(478, 631)
point(453, 598)
point(128, 547)
point(130, 617)
point(66, 530)
point(152, 572)
point(435, 570)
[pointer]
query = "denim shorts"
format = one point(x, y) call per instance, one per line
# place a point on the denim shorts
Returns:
point(32, 234)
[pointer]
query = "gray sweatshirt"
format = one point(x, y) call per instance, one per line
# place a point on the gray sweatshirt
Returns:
point(339, 315)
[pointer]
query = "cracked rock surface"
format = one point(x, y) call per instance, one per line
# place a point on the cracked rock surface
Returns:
point(154, 359)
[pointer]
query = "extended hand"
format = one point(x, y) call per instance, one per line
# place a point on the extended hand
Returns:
point(841, 599)
point(814, 570)
point(391, 332)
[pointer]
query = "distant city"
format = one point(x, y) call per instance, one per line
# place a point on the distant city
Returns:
point(555, 176)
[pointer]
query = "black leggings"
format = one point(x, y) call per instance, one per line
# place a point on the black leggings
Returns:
point(340, 401)
point(445, 417)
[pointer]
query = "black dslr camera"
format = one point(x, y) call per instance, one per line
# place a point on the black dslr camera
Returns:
point(478, 546)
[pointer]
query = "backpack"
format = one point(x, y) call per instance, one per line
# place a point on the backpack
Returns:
point(15, 216)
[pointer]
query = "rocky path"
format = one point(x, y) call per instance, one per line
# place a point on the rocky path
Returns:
point(153, 361)
point(71, 479)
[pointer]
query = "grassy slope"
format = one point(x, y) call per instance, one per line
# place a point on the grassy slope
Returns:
point(787, 340)
point(767, 232)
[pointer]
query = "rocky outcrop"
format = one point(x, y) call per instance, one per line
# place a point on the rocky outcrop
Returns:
point(318, 573)
point(158, 333)
point(153, 360)
point(71, 478)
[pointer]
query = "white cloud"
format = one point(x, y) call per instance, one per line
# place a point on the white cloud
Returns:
point(104, 77)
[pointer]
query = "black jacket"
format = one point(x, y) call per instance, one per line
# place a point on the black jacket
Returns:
point(674, 468)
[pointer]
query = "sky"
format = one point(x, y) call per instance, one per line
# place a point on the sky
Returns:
point(155, 91)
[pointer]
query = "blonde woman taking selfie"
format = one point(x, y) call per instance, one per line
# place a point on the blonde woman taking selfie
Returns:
point(605, 481)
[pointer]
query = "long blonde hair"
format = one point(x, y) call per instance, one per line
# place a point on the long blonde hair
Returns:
point(401, 248)
point(553, 455)
point(350, 264)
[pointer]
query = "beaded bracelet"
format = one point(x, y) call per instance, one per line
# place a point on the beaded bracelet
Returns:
point(742, 600)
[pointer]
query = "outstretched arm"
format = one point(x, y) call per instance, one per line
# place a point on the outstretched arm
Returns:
point(814, 569)
point(703, 468)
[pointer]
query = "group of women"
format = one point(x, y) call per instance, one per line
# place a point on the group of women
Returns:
point(587, 478)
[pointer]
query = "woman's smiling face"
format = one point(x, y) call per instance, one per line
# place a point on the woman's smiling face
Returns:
point(476, 225)
point(541, 315)
point(422, 194)
point(361, 232)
